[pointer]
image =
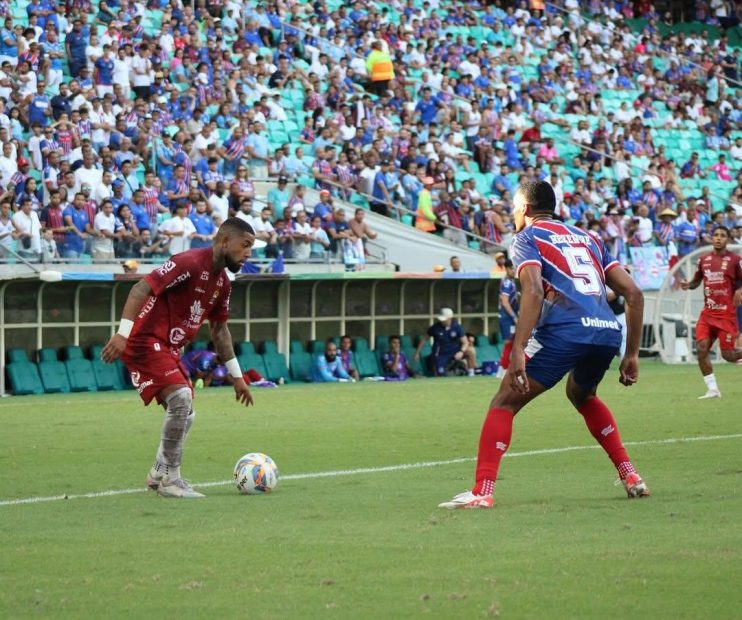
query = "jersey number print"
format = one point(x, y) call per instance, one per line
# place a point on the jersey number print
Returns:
point(586, 278)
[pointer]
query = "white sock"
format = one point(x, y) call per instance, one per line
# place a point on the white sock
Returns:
point(172, 473)
point(470, 372)
point(710, 381)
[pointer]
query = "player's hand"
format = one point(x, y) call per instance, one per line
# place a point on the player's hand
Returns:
point(417, 356)
point(113, 350)
point(738, 297)
point(458, 356)
point(242, 392)
point(516, 374)
point(684, 284)
point(629, 370)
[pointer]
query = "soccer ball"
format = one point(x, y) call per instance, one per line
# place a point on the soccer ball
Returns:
point(255, 474)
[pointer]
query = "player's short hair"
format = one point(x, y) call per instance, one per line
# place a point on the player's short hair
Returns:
point(724, 228)
point(508, 263)
point(235, 226)
point(540, 195)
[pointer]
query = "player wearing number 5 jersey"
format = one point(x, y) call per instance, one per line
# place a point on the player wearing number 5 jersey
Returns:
point(720, 271)
point(565, 326)
point(163, 312)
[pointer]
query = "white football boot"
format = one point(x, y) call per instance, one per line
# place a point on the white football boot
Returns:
point(467, 499)
point(710, 394)
point(177, 488)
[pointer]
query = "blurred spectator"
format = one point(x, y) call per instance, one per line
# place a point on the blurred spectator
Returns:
point(394, 362)
point(451, 350)
point(346, 357)
point(327, 367)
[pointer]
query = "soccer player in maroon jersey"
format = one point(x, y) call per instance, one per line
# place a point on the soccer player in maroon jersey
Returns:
point(720, 271)
point(163, 312)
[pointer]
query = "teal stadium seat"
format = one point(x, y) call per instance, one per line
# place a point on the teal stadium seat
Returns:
point(52, 372)
point(243, 348)
point(23, 374)
point(270, 346)
point(316, 346)
point(366, 364)
point(275, 366)
point(296, 346)
point(253, 361)
point(79, 371)
point(107, 376)
point(199, 345)
point(301, 365)
point(360, 344)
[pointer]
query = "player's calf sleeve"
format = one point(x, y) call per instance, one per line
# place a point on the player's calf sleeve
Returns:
point(602, 426)
point(505, 357)
point(189, 422)
point(493, 443)
point(174, 428)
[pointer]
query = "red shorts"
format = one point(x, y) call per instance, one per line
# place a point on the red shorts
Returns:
point(152, 370)
point(726, 332)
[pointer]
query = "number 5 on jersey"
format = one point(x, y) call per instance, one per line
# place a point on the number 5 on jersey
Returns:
point(586, 278)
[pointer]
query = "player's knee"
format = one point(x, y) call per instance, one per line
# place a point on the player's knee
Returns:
point(180, 402)
point(729, 355)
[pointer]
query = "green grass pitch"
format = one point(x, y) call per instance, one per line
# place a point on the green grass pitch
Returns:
point(561, 542)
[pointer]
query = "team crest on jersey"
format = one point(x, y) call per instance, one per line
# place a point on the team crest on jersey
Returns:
point(135, 378)
point(177, 335)
point(204, 275)
point(197, 311)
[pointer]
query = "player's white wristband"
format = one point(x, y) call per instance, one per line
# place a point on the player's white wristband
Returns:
point(125, 327)
point(233, 366)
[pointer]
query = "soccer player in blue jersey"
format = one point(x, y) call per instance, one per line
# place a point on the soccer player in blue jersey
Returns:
point(508, 315)
point(565, 326)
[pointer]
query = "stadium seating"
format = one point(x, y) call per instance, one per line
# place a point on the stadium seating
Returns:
point(52, 372)
point(79, 371)
point(316, 346)
point(270, 346)
point(301, 364)
point(199, 345)
point(366, 363)
point(23, 374)
point(253, 361)
point(275, 366)
point(296, 346)
point(107, 376)
point(245, 348)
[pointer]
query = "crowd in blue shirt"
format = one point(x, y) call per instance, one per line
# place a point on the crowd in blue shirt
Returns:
point(207, 98)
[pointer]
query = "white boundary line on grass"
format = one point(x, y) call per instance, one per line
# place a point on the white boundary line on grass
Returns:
point(372, 470)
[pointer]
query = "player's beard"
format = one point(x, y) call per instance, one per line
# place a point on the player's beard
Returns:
point(232, 265)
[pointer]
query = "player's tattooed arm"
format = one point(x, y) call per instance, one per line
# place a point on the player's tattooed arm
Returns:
point(138, 296)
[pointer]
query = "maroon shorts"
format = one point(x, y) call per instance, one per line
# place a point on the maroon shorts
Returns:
point(726, 333)
point(154, 368)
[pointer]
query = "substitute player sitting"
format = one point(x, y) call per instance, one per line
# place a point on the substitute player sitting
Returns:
point(720, 271)
point(164, 312)
point(565, 326)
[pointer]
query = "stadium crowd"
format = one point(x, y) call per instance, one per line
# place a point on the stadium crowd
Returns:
point(131, 129)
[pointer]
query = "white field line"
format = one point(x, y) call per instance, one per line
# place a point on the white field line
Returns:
point(372, 470)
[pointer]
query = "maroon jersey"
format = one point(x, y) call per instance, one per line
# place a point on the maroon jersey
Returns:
point(186, 292)
point(720, 273)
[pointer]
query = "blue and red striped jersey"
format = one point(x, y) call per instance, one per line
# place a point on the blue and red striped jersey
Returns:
point(573, 265)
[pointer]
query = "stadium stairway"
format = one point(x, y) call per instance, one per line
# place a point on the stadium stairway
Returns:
point(412, 250)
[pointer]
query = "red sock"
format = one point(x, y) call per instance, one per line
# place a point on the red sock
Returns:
point(493, 443)
point(505, 357)
point(601, 424)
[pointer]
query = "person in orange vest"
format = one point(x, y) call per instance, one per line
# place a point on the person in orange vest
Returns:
point(379, 69)
point(425, 216)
